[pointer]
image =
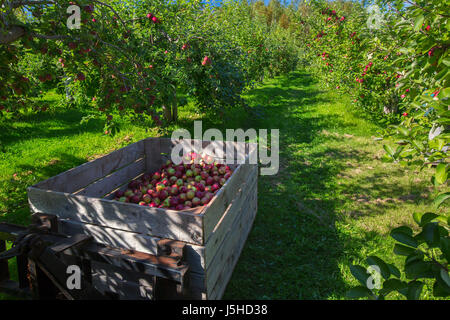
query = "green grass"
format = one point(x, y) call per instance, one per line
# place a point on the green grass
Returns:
point(332, 203)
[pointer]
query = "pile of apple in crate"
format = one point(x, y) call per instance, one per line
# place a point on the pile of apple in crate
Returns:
point(192, 183)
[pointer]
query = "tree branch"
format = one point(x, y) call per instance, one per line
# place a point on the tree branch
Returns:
point(20, 3)
point(11, 35)
point(114, 11)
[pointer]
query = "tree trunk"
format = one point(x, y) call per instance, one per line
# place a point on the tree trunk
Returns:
point(175, 108)
point(167, 113)
point(11, 35)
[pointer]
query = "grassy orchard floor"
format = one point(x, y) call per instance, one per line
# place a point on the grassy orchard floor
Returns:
point(332, 203)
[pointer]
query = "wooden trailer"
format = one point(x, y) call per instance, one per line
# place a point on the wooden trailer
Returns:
point(212, 236)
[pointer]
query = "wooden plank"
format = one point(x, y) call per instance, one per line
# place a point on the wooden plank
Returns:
point(196, 287)
point(194, 255)
point(216, 208)
point(152, 150)
point(121, 274)
point(170, 224)
point(222, 266)
point(104, 185)
point(125, 290)
point(234, 209)
point(78, 177)
point(4, 269)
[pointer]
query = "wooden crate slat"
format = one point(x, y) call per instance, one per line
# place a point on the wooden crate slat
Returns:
point(221, 269)
point(170, 224)
point(197, 286)
point(225, 224)
point(112, 237)
point(104, 185)
point(78, 177)
point(132, 241)
point(152, 149)
point(125, 290)
point(216, 208)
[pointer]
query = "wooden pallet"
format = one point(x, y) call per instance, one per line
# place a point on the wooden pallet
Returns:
point(214, 234)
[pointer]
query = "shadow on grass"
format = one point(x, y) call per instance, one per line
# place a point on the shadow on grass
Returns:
point(51, 124)
point(15, 204)
point(294, 247)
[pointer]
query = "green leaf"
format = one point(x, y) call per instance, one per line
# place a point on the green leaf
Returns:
point(392, 285)
point(418, 22)
point(440, 199)
point(418, 269)
point(441, 173)
point(360, 274)
point(417, 216)
point(440, 290)
point(359, 292)
point(445, 248)
point(404, 235)
point(402, 250)
point(427, 217)
point(444, 276)
point(384, 269)
point(414, 290)
point(394, 270)
point(431, 234)
point(389, 150)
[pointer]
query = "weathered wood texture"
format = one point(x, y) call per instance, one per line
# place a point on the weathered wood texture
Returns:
point(214, 234)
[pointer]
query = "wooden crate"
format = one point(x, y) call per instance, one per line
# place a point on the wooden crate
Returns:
point(215, 234)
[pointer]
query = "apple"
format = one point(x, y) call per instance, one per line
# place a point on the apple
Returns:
point(198, 178)
point(156, 176)
point(174, 191)
point(188, 204)
point(166, 203)
point(128, 193)
point(163, 194)
point(146, 198)
point(196, 201)
point(205, 200)
point(209, 181)
point(179, 207)
point(171, 171)
point(160, 187)
point(135, 199)
point(204, 175)
point(173, 201)
point(119, 193)
point(189, 173)
point(123, 199)
point(81, 76)
point(199, 194)
point(190, 194)
point(183, 189)
point(183, 197)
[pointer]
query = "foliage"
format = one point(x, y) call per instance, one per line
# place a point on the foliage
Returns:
point(135, 56)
